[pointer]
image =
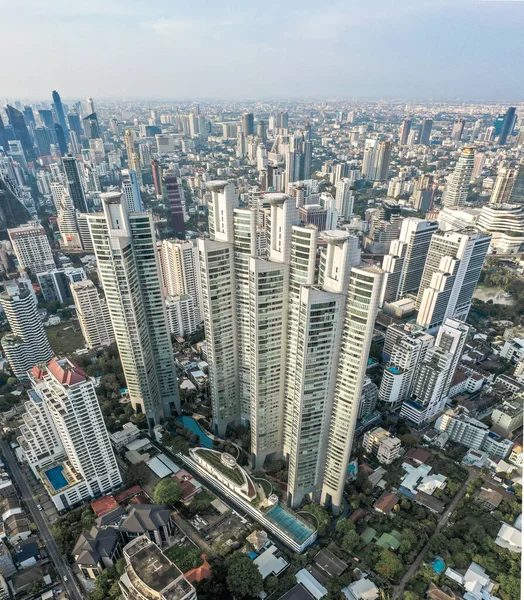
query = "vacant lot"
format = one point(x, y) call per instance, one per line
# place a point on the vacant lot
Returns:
point(66, 338)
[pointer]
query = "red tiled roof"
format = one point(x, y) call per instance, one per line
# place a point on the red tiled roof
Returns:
point(129, 493)
point(418, 454)
point(188, 489)
point(66, 371)
point(199, 573)
point(104, 505)
point(386, 503)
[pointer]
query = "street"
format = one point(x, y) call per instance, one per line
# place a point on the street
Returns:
point(399, 589)
point(46, 536)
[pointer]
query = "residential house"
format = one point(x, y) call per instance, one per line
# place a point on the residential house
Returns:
point(386, 503)
point(151, 520)
point(97, 550)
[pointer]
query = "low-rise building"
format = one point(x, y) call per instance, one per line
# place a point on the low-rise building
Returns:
point(379, 441)
point(510, 536)
point(508, 414)
point(152, 520)
point(96, 550)
point(129, 433)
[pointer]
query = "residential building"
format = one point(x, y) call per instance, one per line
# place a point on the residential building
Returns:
point(75, 435)
point(96, 550)
point(517, 193)
point(457, 186)
point(131, 191)
point(508, 414)
point(368, 398)
point(55, 284)
point(32, 248)
point(153, 520)
point(503, 188)
point(27, 344)
point(93, 314)
point(384, 227)
point(128, 265)
point(404, 265)
point(175, 201)
point(181, 313)
point(379, 442)
point(150, 575)
point(74, 183)
point(344, 198)
point(505, 224)
point(425, 132)
point(450, 276)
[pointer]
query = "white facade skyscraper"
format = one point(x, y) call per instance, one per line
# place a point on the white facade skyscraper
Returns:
point(503, 187)
point(93, 314)
point(344, 198)
point(404, 265)
point(128, 264)
point(32, 248)
point(131, 191)
point(64, 436)
point(457, 186)
point(27, 344)
point(450, 276)
point(288, 337)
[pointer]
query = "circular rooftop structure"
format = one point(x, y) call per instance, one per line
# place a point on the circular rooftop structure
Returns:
point(216, 186)
point(335, 236)
point(276, 197)
point(111, 197)
point(227, 460)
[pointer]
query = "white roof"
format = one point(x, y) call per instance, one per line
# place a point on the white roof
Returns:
point(138, 444)
point(316, 589)
point(267, 563)
point(159, 468)
point(220, 506)
point(509, 537)
point(455, 575)
point(168, 462)
point(363, 588)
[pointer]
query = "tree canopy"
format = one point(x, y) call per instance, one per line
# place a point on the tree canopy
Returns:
point(243, 577)
point(167, 491)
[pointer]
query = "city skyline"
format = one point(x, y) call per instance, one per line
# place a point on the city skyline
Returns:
point(202, 51)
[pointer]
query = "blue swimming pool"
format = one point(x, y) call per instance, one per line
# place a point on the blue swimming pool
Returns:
point(439, 565)
point(56, 477)
point(252, 555)
point(289, 523)
point(192, 425)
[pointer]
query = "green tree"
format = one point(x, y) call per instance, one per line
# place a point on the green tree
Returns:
point(351, 541)
point(167, 491)
point(321, 516)
point(388, 564)
point(243, 577)
point(137, 475)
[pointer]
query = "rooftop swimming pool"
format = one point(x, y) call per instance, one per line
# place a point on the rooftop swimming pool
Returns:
point(56, 477)
point(289, 523)
point(192, 425)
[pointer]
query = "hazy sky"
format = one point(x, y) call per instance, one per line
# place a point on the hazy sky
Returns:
point(178, 49)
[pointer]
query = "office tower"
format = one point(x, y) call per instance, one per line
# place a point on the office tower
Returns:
point(503, 187)
point(75, 124)
point(67, 223)
point(282, 120)
point(20, 131)
point(175, 198)
point(91, 127)
point(382, 161)
point(27, 344)
point(131, 191)
point(361, 307)
point(450, 276)
point(452, 337)
point(74, 183)
point(181, 271)
point(406, 354)
point(29, 117)
point(65, 397)
point(93, 314)
point(425, 132)
point(59, 110)
point(457, 130)
point(404, 265)
point(480, 161)
point(457, 186)
point(248, 124)
point(508, 124)
point(46, 118)
point(405, 128)
point(60, 138)
point(3, 136)
point(156, 171)
point(31, 247)
point(133, 161)
point(517, 194)
point(144, 151)
point(261, 131)
point(144, 558)
point(308, 152)
point(126, 254)
point(369, 158)
point(90, 105)
point(475, 132)
point(43, 140)
point(344, 198)
point(384, 227)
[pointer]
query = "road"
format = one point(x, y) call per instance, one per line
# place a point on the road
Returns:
point(62, 568)
point(399, 589)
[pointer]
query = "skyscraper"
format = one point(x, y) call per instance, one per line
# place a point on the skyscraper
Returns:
point(503, 188)
point(32, 248)
point(43, 140)
point(17, 122)
point(64, 398)
point(507, 125)
point(382, 161)
point(91, 127)
point(27, 344)
point(93, 314)
point(175, 197)
point(404, 265)
point(450, 276)
point(131, 191)
point(344, 198)
point(248, 124)
point(74, 183)
point(425, 132)
point(457, 186)
point(405, 128)
point(258, 310)
point(126, 253)
point(156, 171)
point(75, 124)
point(3, 136)
point(60, 138)
point(180, 270)
point(517, 194)
point(59, 110)
point(458, 130)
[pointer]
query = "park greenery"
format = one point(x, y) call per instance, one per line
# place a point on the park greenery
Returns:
point(68, 528)
point(137, 475)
